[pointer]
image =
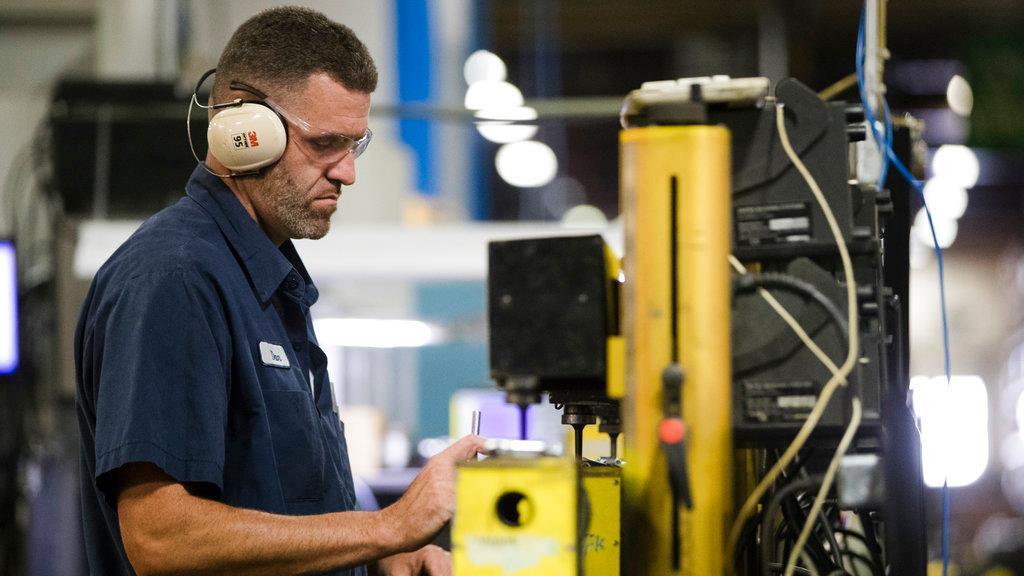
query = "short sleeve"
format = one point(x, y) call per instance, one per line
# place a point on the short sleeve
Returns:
point(162, 389)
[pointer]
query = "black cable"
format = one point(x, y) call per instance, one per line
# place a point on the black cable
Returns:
point(825, 523)
point(749, 282)
point(767, 517)
point(871, 539)
point(830, 535)
point(867, 561)
point(829, 531)
point(795, 516)
point(853, 534)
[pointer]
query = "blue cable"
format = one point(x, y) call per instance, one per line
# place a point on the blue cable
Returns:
point(890, 156)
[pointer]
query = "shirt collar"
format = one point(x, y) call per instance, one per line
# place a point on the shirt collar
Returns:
point(266, 265)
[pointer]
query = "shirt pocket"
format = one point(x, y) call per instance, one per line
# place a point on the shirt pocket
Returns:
point(298, 449)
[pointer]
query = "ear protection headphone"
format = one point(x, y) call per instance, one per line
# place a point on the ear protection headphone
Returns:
point(245, 136)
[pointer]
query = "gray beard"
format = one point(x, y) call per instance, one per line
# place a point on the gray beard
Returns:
point(292, 208)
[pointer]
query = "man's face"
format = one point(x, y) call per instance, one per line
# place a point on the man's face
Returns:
point(296, 197)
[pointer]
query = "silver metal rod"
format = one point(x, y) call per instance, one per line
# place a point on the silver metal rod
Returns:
point(476, 422)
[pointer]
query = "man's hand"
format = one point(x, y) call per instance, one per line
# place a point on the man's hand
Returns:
point(431, 560)
point(429, 502)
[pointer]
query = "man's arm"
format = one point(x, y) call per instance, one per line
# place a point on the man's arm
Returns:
point(168, 530)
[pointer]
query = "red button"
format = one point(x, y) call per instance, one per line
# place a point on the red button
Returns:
point(671, 430)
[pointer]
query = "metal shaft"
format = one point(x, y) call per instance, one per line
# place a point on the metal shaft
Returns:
point(578, 429)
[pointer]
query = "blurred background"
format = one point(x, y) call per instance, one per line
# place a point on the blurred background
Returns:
point(93, 99)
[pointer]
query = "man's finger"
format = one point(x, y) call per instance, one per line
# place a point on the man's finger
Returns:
point(466, 447)
point(438, 562)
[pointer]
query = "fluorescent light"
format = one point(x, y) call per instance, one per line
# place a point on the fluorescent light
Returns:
point(492, 95)
point(8, 308)
point(957, 164)
point(584, 216)
point(370, 333)
point(959, 96)
point(953, 421)
point(945, 229)
point(503, 125)
point(526, 164)
point(945, 199)
point(483, 65)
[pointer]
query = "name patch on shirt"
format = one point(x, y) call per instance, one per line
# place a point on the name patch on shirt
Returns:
point(273, 355)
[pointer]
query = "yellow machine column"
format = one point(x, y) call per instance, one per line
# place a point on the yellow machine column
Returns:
point(675, 199)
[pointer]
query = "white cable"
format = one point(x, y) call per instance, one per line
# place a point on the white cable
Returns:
point(838, 378)
point(789, 319)
point(851, 295)
point(826, 485)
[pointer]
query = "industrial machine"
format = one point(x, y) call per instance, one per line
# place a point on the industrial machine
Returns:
point(553, 308)
point(748, 346)
point(731, 418)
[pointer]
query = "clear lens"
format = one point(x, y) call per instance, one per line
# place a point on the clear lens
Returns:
point(323, 147)
point(363, 142)
point(330, 147)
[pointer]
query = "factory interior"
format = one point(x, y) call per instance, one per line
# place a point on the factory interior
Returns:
point(729, 286)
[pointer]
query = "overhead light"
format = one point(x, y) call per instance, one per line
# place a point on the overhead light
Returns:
point(527, 164)
point(372, 333)
point(945, 199)
point(483, 65)
point(945, 229)
point(492, 95)
point(957, 164)
point(953, 420)
point(959, 96)
point(503, 125)
point(505, 132)
point(584, 216)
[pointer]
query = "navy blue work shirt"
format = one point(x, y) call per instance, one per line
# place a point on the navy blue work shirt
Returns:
point(195, 352)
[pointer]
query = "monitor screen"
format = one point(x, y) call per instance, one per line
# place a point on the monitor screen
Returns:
point(8, 308)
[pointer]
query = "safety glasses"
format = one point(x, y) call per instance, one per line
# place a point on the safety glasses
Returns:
point(321, 146)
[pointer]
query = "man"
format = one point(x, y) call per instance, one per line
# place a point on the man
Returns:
point(208, 433)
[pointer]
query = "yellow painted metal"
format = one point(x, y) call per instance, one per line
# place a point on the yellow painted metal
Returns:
point(616, 348)
point(545, 544)
point(693, 163)
point(602, 544)
point(616, 358)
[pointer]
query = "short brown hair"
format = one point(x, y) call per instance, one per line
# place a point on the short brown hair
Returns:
point(281, 47)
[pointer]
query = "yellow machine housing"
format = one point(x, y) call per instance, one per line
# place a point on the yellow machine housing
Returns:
point(676, 302)
point(558, 532)
point(520, 518)
point(602, 545)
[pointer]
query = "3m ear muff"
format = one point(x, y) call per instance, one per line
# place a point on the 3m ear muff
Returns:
point(244, 135)
point(247, 137)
